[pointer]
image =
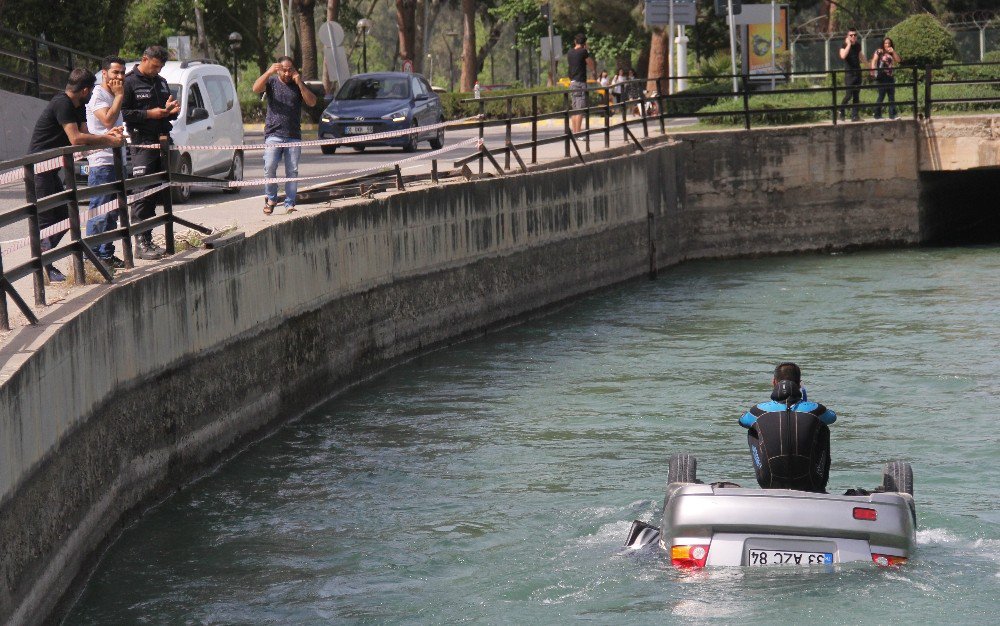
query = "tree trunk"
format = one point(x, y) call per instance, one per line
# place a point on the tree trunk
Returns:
point(659, 60)
point(407, 25)
point(491, 41)
point(469, 73)
point(307, 37)
point(263, 60)
point(199, 21)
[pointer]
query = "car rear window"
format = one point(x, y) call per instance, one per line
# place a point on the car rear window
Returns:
point(384, 88)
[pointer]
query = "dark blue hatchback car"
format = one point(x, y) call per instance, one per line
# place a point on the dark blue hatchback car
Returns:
point(379, 102)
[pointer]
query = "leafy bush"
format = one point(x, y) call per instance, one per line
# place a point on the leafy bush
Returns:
point(552, 101)
point(923, 40)
point(709, 93)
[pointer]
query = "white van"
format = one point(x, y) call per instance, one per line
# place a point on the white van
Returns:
point(210, 116)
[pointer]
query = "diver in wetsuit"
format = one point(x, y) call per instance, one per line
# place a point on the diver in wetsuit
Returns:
point(789, 436)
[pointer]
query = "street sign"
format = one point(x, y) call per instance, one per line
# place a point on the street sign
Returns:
point(408, 66)
point(557, 49)
point(658, 12)
point(721, 7)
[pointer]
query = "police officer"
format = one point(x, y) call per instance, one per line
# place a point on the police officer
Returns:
point(789, 436)
point(148, 108)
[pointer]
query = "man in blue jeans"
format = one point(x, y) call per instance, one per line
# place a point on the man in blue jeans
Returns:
point(103, 114)
point(285, 92)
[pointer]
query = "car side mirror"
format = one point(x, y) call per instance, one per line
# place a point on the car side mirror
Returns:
point(420, 96)
point(197, 114)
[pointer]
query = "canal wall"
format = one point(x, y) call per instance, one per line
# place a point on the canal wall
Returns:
point(108, 410)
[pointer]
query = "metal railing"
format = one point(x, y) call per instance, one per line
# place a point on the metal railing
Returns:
point(79, 246)
point(35, 67)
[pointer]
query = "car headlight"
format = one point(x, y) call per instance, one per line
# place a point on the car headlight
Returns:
point(329, 117)
point(398, 116)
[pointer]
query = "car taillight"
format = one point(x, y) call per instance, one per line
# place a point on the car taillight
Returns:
point(688, 557)
point(887, 560)
point(865, 514)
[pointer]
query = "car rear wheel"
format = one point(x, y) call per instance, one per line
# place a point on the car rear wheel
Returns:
point(182, 193)
point(235, 172)
point(437, 142)
point(359, 148)
point(328, 149)
point(411, 140)
point(682, 468)
point(897, 476)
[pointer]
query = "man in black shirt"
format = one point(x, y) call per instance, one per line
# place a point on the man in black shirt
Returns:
point(851, 55)
point(61, 124)
point(148, 108)
point(579, 61)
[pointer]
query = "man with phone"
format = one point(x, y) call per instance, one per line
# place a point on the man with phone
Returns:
point(104, 114)
point(579, 62)
point(851, 55)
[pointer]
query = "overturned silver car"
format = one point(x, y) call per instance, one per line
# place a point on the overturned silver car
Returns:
point(725, 524)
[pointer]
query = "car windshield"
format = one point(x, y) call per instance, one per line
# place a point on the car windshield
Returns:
point(384, 88)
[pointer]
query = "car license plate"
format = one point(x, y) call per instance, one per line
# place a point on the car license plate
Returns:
point(359, 130)
point(84, 169)
point(782, 557)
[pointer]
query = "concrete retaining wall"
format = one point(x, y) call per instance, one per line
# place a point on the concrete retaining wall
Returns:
point(164, 375)
point(18, 120)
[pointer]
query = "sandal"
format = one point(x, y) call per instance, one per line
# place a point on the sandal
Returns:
point(269, 206)
point(289, 208)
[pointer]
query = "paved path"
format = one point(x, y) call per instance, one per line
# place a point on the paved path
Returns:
point(217, 210)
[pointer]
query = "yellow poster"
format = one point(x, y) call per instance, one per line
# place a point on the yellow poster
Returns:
point(758, 41)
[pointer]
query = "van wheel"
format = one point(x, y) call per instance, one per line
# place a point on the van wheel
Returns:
point(683, 468)
point(235, 172)
point(437, 142)
point(182, 193)
point(359, 148)
point(897, 476)
point(412, 140)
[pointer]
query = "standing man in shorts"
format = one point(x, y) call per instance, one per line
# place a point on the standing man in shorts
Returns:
point(579, 61)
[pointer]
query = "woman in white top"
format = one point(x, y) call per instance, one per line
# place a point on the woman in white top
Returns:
point(616, 87)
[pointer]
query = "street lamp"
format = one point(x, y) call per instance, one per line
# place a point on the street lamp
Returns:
point(430, 67)
point(364, 25)
point(235, 39)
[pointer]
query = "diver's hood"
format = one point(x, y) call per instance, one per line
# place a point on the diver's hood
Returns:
point(786, 391)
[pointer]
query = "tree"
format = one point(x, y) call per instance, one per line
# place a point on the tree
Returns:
point(469, 67)
point(659, 59)
point(923, 40)
point(407, 24)
point(307, 37)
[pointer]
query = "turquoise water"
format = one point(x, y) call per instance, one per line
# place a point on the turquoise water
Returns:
point(494, 481)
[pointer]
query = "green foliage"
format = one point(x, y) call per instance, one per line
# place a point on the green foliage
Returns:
point(856, 13)
point(709, 93)
point(150, 22)
point(551, 102)
point(923, 40)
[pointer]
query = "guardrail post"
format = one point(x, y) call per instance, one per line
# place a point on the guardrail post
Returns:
point(4, 317)
point(74, 219)
point(916, 112)
point(607, 117)
point(168, 201)
point(642, 113)
point(482, 127)
point(624, 112)
point(927, 92)
point(586, 119)
point(566, 129)
point(746, 102)
point(34, 68)
point(534, 129)
point(833, 82)
point(659, 105)
point(123, 218)
point(510, 113)
point(34, 239)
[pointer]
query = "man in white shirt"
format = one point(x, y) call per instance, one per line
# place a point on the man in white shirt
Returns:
point(103, 114)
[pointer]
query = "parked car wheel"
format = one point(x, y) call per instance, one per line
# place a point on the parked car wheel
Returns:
point(328, 149)
point(359, 148)
point(182, 193)
point(437, 142)
point(235, 172)
point(412, 140)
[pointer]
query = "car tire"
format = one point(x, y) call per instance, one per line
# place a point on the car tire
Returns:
point(235, 172)
point(437, 142)
point(328, 149)
point(682, 468)
point(412, 140)
point(359, 148)
point(897, 476)
point(182, 193)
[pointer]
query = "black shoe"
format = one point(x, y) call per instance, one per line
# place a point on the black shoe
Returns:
point(55, 276)
point(148, 252)
point(113, 262)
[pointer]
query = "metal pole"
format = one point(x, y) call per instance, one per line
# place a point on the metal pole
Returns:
point(34, 238)
point(534, 128)
point(168, 205)
point(774, 66)
point(284, 27)
point(552, 56)
point(732, 45)
point(671, 85)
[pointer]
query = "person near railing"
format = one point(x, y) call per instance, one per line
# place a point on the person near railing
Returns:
point(285, 91)
point(580, 61)
point(884, 63)
point(617, 87)
point(104, 114)
point(148, 108)
point(851, 55)
point(633, 91)
point(63, 123)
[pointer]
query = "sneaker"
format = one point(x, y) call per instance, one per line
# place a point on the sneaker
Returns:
point(55, 276)
point(113, 262)
point(148, 252)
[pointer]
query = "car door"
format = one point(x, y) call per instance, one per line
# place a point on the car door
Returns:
point(228, 126)
point(420, 102)
point(199, 132)
point(434, 109)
